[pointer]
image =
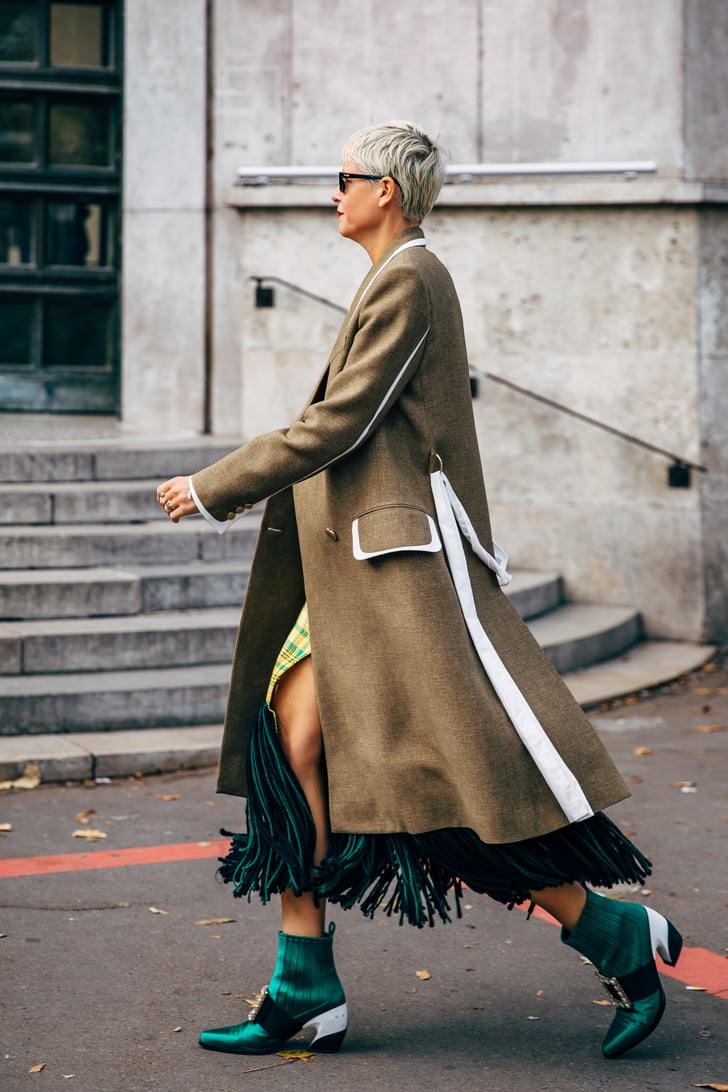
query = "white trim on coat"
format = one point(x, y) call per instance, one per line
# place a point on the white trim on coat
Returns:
point(453, 519)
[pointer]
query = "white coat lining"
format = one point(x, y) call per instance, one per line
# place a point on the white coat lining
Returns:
point(559, 778)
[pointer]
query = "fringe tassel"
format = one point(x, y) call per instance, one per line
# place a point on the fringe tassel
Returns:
point(361, 868)
point(277, 851)
point(594, 851)
point(407, 875)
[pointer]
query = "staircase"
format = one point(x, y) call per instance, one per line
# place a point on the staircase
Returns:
point(112, 619)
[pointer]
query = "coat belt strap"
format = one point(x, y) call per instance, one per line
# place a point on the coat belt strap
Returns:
point(452, 519)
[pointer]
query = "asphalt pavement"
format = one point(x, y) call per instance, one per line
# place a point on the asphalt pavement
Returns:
point(115, 952)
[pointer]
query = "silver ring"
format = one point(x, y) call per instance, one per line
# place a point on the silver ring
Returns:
point(169, 506)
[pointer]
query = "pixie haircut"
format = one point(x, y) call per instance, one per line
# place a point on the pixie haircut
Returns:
point(405, 153)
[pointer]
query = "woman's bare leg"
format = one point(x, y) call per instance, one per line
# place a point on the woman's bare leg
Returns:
point(297, 715)
point(565, 903)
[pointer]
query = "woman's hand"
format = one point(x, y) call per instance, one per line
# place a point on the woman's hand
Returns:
point(174, 497)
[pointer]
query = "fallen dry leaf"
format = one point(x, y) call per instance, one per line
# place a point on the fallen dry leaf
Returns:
point(696, 989)
point(296, 1055)
point(85, 816)
point(477, 1007)
point(423, 975)
point(30, 779)
point(213, 921)
point(601, 1002)
point(177, 1029)
point(706, 728)
point(410, 989)
point(157, 910)
point(5, 828)
point(168, 796)
point(683, 784)
point(642, 751)
point(37, 1068)
point(715, 1087)
point(90, 834)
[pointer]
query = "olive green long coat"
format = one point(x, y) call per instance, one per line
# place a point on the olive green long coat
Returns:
point(416, 738)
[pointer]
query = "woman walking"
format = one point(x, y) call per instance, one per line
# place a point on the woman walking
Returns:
point(396, 729)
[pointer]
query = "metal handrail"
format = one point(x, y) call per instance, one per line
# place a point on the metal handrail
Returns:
point(299, 290)
point(458, 172)
point(676, 460)
point(679, 471)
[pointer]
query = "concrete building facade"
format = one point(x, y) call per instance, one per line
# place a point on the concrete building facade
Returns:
point(605, 293)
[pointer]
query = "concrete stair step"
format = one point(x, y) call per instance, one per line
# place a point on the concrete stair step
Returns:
point(98, 461)
point(534, 593)
point(68, 593)
point(143, 543)
point(82, 756)
point(42, 503)
point(107, 700)
point(648, 665)
point(579, 634)
point(197, 584)
point(113, 644)
point(28, 594)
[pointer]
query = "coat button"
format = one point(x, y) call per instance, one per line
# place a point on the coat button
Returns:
point(332, 534)
point(231, 515)
point(239, 510)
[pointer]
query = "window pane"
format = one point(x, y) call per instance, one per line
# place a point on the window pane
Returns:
point(75, 234)
point(18, 31)
point(16, 232)
point(16, 323)
point(77, 35)
point(79, 134)
point(17, 130)
point(76, 334)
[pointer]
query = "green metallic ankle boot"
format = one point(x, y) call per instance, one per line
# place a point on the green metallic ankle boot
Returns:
point(305, 992)
point(622, 940)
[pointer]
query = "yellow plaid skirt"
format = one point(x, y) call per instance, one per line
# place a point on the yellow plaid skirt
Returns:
point(296, 647)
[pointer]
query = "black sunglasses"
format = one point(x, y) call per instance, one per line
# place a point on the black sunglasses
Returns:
point(346, 176)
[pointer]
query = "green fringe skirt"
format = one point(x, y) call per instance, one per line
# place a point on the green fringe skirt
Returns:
point(411, 876)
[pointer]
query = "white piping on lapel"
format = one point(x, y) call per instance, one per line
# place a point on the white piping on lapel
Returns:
point(404, 246)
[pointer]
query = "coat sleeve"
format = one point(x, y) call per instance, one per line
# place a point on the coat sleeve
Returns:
point(383, 351)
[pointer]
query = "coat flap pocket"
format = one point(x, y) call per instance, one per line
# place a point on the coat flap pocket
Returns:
point(394, 528)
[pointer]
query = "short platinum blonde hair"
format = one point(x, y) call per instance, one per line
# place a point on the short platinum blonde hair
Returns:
point(403, 151)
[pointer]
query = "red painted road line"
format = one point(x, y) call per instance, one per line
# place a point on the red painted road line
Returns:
point(706, 971)
point(110, 858)
point(697, 966)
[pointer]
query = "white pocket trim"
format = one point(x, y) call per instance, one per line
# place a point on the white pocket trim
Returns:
point(431, 547)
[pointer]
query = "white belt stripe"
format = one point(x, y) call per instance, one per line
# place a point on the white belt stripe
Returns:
point(560, 779)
